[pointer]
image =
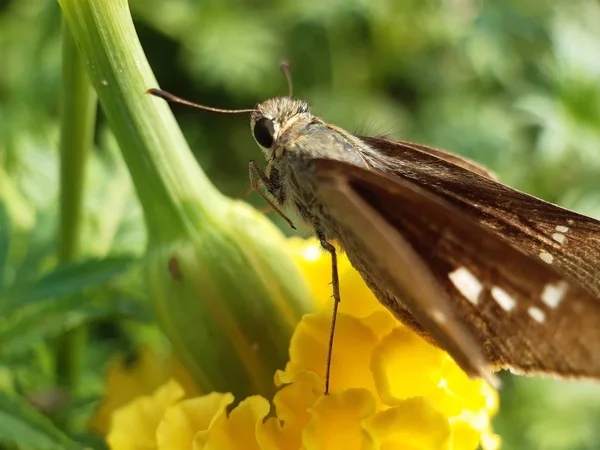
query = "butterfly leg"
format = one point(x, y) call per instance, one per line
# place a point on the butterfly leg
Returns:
point(259, 179)
point(335, 284)
point(246, 193)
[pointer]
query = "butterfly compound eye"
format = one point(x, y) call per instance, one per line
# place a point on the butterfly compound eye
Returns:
point(264, 132)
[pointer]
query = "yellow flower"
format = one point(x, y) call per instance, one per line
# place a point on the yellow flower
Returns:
point(127, 381)
point(389, 389)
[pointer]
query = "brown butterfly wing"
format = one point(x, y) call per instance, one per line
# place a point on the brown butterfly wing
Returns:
point(569, 241)
point(521, 311)
point(447, 156)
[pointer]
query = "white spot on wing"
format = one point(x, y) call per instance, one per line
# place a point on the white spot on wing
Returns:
point(558, 237)
point(536, 314)
point(553, 294)
point(467, 284)
point(562, 229)
point(439, 316)
point(502, 297)
point(546, 257)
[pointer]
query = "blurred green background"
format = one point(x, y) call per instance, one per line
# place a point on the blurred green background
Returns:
point(514, 85)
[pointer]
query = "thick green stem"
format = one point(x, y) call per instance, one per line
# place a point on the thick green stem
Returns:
point(78, 109)
point(225, 290)
point(167, 182)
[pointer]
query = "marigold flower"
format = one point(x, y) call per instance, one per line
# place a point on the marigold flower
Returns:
point(389, 389)
point(127, 381)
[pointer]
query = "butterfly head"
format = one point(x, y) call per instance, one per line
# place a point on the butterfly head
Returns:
point(272, 118)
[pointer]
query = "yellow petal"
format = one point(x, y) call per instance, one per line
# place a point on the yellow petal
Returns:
point(276, 435)
point(489, 440)
point(458, 393)
point(381, 323)
point(413, 424)
point(236, 431)
point(354, 342)
point(303, 376)
point(464, 436)
point(293, 400)
point(125, 382)
point(467, 436)
point(405, 366)
point(184, 419)
point(336, 421)
point(315, 264)
point(133, 426)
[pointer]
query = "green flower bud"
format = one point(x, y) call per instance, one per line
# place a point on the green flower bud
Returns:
point(228, 296)
point(226, 291)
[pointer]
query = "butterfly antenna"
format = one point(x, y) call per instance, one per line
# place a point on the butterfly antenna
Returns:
point(285, 68)
point(174, 99)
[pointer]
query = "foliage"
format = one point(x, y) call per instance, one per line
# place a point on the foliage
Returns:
point(21, 423)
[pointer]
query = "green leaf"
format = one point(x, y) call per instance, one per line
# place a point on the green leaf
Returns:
point(67, 280)
point(23, 426)
point(29, 325)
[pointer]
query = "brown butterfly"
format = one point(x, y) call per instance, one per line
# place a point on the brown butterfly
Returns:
point(496, 277)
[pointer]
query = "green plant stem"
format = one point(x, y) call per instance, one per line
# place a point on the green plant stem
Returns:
point(170, 185)
point(77, 133)
point(221, 281)
point(78, 109)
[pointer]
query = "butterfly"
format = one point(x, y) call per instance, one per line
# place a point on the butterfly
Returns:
point(494, 276)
